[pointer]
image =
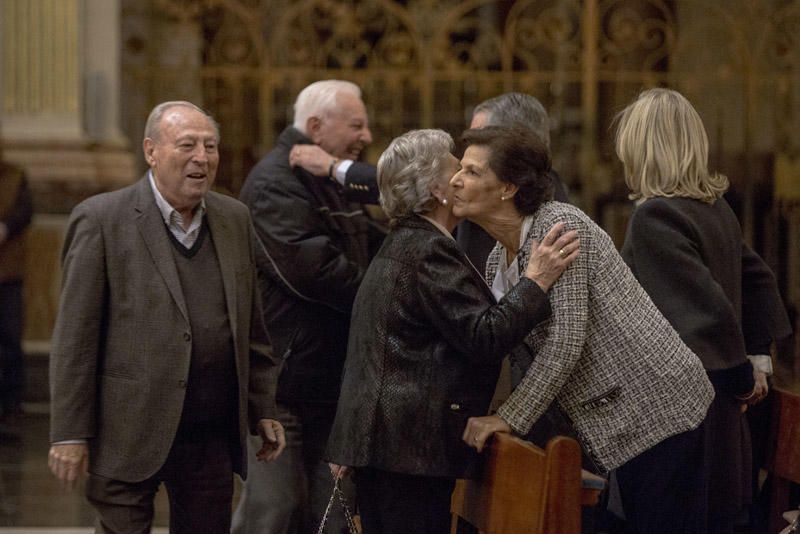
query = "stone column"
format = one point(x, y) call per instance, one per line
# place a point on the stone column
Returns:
point(60, 104)
point(41, 83)
point(102, 71)
point(59, 120)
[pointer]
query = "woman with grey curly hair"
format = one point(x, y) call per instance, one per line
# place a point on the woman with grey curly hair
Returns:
point(426, 341)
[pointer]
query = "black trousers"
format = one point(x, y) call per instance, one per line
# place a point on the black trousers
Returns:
point(394, 503)
point(12, 361)
point(198, 476)
point(664, 489)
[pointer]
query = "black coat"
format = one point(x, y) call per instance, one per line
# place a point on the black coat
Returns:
point(723, 301)
point(690, 258)
point(314, 247)
point(424, 353)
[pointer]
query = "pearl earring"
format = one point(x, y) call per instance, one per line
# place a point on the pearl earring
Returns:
point(502, 197)
point(444, 202)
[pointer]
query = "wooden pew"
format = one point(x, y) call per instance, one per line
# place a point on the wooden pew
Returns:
point(525, 490)
point(784, 451)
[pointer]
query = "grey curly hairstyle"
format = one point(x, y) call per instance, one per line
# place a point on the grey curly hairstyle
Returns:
point(408, 170)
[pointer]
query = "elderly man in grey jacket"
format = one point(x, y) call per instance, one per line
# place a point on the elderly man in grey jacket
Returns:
point(160, 361)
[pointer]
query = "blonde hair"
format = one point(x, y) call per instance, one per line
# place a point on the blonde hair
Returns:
point(663, 146)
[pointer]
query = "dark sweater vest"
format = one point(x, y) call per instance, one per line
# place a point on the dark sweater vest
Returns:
point(211, 392)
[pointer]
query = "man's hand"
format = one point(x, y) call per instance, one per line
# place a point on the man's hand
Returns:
point(69, 462)
point(312, 158)
point(761, 388)
point(479, 429)
point(762, 368)
point(273, 440)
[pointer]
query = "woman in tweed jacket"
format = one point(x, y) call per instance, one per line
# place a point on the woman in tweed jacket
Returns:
point(685, 247)
point(426, 341)
point(633, 390)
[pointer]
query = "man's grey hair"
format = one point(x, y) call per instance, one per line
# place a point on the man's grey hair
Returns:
point(319, 100)
point(152, 128)
point(409, 169)
point(517, 110)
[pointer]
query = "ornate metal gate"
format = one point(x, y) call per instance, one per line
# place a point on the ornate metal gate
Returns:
point(426, 63)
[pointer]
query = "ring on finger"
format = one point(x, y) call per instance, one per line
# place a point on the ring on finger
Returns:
point(562, 253)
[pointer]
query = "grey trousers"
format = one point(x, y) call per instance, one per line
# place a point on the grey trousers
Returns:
point(290, 494)
point(198, 476)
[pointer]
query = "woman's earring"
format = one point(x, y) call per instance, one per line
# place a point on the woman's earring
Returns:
point(503, 197)
point(444, 202)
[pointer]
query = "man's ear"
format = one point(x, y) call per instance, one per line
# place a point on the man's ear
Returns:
point(148, 147)
point(313, 129)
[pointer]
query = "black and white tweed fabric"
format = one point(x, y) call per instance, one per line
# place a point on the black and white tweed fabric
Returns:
point(607, 355)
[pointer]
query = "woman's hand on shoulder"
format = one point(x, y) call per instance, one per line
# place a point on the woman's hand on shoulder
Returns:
point(552, 256)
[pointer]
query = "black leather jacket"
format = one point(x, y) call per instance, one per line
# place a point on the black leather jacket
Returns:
point(425, 347)
point(313, 249)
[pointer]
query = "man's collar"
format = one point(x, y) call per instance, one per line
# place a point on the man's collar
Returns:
point(165, 207)
point(293, 136)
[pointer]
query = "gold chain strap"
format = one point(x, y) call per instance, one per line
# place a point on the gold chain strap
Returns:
point(348, 516)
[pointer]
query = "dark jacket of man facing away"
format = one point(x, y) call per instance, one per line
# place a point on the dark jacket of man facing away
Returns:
point(314, 247)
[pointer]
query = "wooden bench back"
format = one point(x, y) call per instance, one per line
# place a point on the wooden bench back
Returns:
point(523, 489)
point(786, 434)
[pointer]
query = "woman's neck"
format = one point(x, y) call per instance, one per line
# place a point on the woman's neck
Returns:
point(505, 227)
point(444, 216)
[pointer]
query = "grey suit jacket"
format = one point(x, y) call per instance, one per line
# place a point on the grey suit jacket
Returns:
point(122, 341)
point(607, 356)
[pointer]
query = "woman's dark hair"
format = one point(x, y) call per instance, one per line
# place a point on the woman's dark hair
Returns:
point(519, 157)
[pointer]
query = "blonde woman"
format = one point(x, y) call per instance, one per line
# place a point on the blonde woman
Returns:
point(685, 248)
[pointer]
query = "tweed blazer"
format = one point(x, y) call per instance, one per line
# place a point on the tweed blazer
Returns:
point(122, 341)
point(616, 367)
